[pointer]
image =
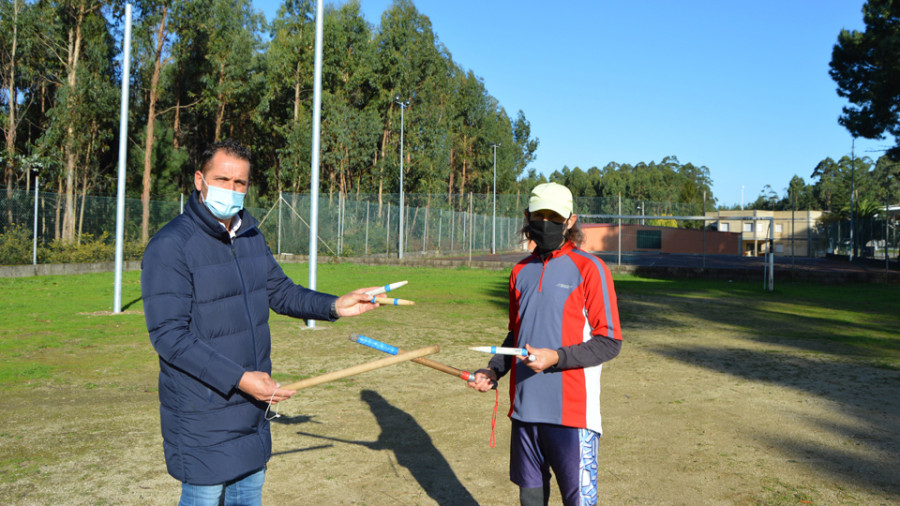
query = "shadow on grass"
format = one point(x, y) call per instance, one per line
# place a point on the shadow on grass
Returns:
point(128, 305)
point(865, 393)
point(499, 294)
point(413, 450)
point(841, 346)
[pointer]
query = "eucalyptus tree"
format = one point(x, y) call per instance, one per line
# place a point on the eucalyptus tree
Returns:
point(231, 88)
point(525, 146)
point(472, 114)
point(9, 40)
point(37, 72)
point(285, 109)
point(152, 41)
point(182, 79)
point(78, 36)
point(350, 121)
point(834, 181)
point(409, 60)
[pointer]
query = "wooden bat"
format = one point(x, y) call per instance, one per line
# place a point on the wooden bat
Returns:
point(361, 368)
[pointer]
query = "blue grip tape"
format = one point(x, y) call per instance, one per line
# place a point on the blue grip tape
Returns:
point(378, 345)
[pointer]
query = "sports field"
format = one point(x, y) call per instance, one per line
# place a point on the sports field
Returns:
point(723, 394)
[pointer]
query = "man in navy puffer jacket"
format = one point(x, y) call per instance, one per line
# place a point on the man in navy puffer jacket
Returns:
point(208, 281)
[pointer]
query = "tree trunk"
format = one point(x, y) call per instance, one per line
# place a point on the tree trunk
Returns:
point(297, 95)
point(176, 123)
point(11, 119)
point(84, 179)
point(277, 160)
point(74, 55)
point(220, 114)
point(465, 161)
point(151, 119)
point(56, 222)
point(450, 183)
point(84, 188)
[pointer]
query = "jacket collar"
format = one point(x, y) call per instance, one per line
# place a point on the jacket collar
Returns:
point(209, 224)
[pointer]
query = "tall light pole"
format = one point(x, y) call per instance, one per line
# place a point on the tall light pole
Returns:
point(403, 105)
point(494, 218)
point(742, 197)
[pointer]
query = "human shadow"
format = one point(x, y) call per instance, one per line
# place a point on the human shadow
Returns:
point(413, 449)
point(129, 304)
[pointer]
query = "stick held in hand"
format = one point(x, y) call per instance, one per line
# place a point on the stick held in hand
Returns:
point(361, 368)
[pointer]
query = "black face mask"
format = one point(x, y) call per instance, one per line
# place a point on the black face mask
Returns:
point(547, 235)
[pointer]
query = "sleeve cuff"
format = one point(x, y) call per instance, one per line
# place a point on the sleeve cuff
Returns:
point(332, 313)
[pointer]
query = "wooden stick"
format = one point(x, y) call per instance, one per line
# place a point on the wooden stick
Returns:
point(385, 301)
point(361, 368)
point(378, 345)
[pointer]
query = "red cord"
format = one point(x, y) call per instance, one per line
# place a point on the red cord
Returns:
point(494, 418)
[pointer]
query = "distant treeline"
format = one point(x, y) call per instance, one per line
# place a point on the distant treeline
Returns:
point(205, 70)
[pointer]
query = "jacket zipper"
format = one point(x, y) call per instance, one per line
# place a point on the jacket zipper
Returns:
point(246, 307)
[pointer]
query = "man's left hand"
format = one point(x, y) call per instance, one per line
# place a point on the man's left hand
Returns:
point(355, 303)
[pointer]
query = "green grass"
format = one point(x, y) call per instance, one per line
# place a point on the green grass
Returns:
point(64, 357)
point(58, 329)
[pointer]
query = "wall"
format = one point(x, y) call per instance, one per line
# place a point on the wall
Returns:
point(604, 237)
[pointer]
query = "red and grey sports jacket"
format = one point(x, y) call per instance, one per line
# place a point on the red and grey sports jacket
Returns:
point(563, 303)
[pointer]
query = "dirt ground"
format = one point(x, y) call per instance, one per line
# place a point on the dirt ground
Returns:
point(696, 410)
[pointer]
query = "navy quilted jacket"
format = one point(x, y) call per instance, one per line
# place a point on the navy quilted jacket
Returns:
point(206, 303)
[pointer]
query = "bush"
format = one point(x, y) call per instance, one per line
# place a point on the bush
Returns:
point(16, 246)
point(16, 249)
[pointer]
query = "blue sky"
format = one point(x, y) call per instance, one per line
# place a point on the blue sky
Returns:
point(738, 86)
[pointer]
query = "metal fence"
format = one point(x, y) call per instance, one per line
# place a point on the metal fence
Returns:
point(366, 225)
point(349, 225)
point(874, 237)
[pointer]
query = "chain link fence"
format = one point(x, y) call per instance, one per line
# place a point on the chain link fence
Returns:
point(366, 225)
point(349, 225)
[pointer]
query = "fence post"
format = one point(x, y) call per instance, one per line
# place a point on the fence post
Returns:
point(440, 223)
point(387, 244)
point(704, 230)
point(367, 228)
point(471, 223)
point(34, 245)
point(452, 227)
point(279, 223)
point(619, 247)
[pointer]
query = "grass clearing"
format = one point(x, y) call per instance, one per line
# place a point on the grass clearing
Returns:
point(723, 393)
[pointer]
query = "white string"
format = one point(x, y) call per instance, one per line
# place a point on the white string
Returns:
point(270, 406)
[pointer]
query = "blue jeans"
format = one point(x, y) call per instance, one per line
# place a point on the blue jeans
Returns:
point(246, 491)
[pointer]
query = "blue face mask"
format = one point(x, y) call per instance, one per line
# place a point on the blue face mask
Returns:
point(222, 203)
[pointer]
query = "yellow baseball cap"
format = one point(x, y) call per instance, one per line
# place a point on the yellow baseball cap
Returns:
point(552, 196)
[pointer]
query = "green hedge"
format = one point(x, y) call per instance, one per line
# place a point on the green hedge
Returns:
point(16, 248)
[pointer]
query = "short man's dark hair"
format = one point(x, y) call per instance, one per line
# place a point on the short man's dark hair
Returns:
point(229, 146)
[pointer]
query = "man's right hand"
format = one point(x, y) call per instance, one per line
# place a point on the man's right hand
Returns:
point(260, 386)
